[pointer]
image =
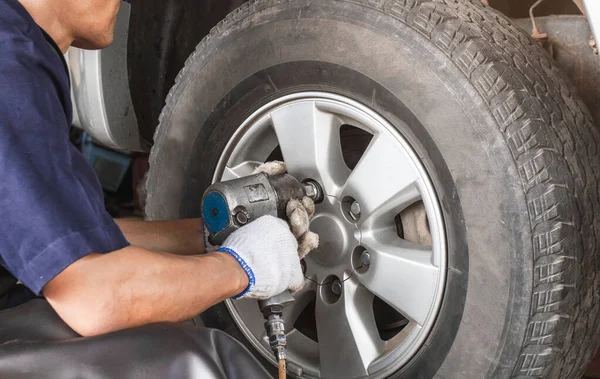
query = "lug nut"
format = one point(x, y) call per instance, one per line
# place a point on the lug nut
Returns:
point(365, 258)
point(355, 210)
point(313, 190)
point(336, 287)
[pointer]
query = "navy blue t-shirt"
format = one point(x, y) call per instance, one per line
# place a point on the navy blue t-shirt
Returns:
point(51, 203)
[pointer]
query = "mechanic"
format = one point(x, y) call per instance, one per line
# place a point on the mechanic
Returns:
point(99, 275)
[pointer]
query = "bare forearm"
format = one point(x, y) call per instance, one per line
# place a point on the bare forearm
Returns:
point(132, 287)
point(182, 237)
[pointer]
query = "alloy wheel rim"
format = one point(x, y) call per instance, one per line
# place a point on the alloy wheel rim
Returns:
point(356, 226)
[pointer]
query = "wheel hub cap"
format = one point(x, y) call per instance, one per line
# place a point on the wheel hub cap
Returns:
point(336, 237)
point(332, 241)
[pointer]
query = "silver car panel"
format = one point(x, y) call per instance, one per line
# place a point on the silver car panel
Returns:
point(592, 8)
point(100, 90)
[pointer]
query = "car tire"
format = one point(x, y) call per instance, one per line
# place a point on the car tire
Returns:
point(510, 149)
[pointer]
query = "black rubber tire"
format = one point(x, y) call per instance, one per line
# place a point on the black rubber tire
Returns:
point(511, 150)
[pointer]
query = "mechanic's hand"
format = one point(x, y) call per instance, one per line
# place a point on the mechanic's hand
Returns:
point(268, 252)
point(299, 212)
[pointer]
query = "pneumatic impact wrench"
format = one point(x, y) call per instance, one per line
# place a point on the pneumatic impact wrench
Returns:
point(228, 206)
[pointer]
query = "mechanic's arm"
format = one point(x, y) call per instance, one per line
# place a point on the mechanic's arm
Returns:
point(101, 293)
point(182, 237)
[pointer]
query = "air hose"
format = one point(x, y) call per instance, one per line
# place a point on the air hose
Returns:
point(275, 328)
point(272, 310)
point(282, 369)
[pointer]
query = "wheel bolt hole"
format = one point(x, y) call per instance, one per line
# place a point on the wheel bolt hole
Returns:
point(361, 260)
point(331, 289)
point(351, 209)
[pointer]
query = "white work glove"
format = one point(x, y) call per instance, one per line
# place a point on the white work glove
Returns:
point(268, 252)
point(271, 168)
point(298, 212)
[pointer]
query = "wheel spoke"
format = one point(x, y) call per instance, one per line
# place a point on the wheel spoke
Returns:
point(384, 182)
point(401, 274)
point(310, 142)
point(306, 351)
point(303, 297)
point(348, 337)
point(239, 171)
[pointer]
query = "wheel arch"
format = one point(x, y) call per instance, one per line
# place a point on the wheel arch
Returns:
point(163, 34)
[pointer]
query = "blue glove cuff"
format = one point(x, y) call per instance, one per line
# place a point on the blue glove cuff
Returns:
point(249, 272)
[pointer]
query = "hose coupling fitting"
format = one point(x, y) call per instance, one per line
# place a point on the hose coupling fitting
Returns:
point(275, 328)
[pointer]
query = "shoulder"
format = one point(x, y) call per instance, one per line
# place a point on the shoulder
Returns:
point(16, 23)
point(29, 65)
point(22, 42)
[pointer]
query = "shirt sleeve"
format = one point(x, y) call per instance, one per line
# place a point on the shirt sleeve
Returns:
point(51, 203)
